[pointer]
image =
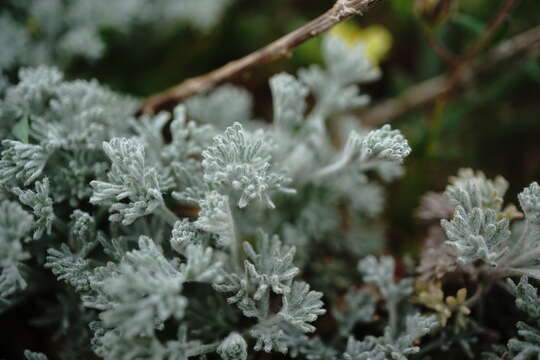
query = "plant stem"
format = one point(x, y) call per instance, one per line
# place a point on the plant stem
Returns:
point(497, 21)
point(342, 162)
point(477, 295)
point(391, 306)
point(235, 245)
point(167, 215)
point(521, 255)
point(202, 349)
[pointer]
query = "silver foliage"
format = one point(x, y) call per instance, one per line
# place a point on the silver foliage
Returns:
point(42, 206)
point(477, 234)
point(381, 274)
point(129, 178)
point(388, 348)
point(529, 200)
point(241, 161)
point(140, 293)
point(148, 229)
point(480, 228)
point(222, 107)
point(233, 347)
point(15, 226)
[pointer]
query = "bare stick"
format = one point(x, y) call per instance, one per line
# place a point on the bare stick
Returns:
point(499, 19)
point(342, 10)
point(429, 90)
point(460, 64)
point(441, 49)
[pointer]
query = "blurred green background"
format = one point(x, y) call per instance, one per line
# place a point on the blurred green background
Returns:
point(491, 125)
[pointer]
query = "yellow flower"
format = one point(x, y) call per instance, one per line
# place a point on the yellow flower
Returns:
point(457, 305)
point(431, 295)
point(510, 212)
point(376, 39)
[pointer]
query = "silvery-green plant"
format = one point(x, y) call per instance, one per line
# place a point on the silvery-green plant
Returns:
point(480, 228)
point(491, 244)
point(203, 231)
point(527, 345)
point(146, 230)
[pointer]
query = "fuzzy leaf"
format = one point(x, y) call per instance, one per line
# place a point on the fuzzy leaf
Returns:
point(381, 274)
point(477, 234)
point(302, 306)
point(131, 180)
point(41, 204)
point(240, 161)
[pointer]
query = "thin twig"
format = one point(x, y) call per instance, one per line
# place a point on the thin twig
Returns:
point(429, 90)
point(480, 290)
point(342, 10)
point(441, 49)
point(460, 63)
point(477, 46)
point(497, 21)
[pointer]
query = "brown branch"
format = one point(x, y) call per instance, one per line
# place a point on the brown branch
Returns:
point(499, 19)
point(342, 10)
point(462, 61)
point(441, 49)
point(431, 89)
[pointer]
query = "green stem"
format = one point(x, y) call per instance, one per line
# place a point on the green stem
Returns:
point(522, 255)
point(167, 215)
point(391, 306)
point(202, 349)
point(342, 162)
point(235, 245)
point(265, 303)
